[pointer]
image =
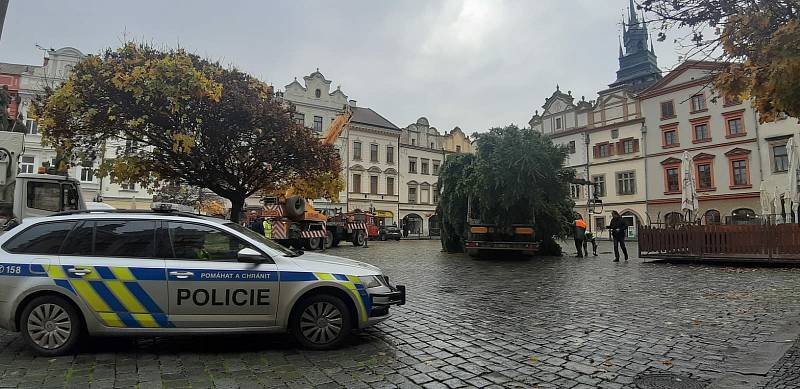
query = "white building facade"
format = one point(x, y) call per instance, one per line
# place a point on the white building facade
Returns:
point(422, 152)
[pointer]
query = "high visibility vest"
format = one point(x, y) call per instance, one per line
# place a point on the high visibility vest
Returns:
point(267, 229)
point(580, 223)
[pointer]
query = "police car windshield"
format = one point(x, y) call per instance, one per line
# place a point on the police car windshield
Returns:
point(258, 237)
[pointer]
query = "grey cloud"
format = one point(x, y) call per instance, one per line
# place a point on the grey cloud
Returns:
point(467, 63)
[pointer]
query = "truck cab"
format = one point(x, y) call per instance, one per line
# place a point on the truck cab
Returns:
point(24, 195)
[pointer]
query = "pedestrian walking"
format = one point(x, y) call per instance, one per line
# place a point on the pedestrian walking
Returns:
point(618, 229)
point(579, 233)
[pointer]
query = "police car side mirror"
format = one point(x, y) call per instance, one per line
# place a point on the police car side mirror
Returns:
point(249, 255)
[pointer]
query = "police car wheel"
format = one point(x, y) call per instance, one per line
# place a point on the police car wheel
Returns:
point(51, 325)
point(321, 322)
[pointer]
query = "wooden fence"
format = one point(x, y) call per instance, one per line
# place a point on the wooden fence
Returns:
point(781, 241)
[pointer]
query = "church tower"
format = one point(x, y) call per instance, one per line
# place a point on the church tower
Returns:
point(638, 66)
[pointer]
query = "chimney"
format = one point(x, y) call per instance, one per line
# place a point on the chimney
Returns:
point(352, 103)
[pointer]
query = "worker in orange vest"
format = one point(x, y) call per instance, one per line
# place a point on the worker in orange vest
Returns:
point(579, 233)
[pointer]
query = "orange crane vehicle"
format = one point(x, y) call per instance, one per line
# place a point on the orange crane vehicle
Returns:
point(296, 223)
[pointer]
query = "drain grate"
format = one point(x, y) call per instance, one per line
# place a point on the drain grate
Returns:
point(666, 381)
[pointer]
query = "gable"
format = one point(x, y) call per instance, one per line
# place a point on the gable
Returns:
point(687, 72)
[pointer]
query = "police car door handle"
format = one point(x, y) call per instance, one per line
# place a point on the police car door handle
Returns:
point(79, 271)
point(181, 274)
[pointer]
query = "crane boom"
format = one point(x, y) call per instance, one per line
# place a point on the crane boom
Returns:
point(336, 127)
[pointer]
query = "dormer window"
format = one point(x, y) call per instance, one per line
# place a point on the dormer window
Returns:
point(318, 93)
point(558, 123)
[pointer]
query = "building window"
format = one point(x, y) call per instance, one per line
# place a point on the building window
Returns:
point(318, 93)
point(412, 165)
point(698, 102)
point(734, 124)
point(667, 110)
point(458, 148)
point(435, 194)
point(87, 174)
point(701, 133)
point(433, 146)
point(373, 152)
point(412, 195)
point(129, 186)
point(740, 173)
point(571, 147)
point(728, 101)
point(780, 158)
point(390, 154)
point(673, 178)
point(31, 127)
point(603, 150)
point(627, 146)
point(575, 191)
point(424, 166)
point(373, 184)
point(705, 175)
point(614, 134)
point(357, 151)
point(600, 185)
point(318, 123)
point(436, 168)
point(424, 195)
point(356, 183)
point(27, 164)
point(131, 146)
point(626, 183)
point(300, 118)
point(669, 136)
point(390, 186)
point(558, 123)
point(712, 216)
point(600, 223)
point(413, 141)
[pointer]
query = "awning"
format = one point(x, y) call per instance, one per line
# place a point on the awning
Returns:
point(384, 214)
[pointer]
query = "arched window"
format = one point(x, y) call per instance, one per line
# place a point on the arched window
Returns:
point(318, 93)
point(672, 219)
point(712, 216)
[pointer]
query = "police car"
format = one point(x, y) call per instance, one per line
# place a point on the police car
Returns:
point(106, 272)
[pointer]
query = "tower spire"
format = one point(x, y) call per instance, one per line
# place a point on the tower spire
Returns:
point(632, 10)
point(620, 47)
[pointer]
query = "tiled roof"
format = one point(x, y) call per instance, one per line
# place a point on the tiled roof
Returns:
point(372, 118)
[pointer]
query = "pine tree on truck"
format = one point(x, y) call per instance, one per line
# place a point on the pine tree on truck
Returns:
point(511, 195)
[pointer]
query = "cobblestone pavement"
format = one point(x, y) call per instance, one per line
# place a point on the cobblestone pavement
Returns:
point(544, 322)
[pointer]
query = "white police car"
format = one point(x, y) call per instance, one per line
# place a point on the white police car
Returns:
point(162, 273)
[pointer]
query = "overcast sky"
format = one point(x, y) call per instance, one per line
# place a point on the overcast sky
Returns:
point(468, 63)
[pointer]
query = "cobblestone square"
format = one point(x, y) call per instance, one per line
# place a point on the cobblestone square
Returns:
point(538, 323)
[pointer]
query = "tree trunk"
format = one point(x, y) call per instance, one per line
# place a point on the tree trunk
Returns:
point(237, 205)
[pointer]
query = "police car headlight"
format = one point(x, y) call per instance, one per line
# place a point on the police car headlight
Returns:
point(372, 281)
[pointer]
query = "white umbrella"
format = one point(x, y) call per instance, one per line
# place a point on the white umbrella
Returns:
point(776, 200)
point(794, 162)
point(766, 200)
point(689, 202)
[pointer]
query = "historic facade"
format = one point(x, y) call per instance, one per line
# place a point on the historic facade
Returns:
point(422, 152)
point(372, 158)
point(683, 113)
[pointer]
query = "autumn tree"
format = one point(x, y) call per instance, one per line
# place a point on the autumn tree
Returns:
point(758, 39)
point(193, 121)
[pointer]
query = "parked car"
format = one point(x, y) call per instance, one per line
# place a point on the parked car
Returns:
point(389, 232)
point(171, 273)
